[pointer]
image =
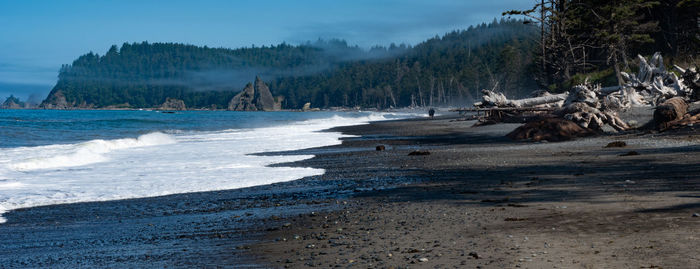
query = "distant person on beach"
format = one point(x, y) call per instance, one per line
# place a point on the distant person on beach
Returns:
point(431, 112)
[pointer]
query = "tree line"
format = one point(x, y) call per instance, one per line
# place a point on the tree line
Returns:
point(600, 39)
point(444, 70)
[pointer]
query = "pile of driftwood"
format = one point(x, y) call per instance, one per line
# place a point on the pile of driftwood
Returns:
point(592, 107)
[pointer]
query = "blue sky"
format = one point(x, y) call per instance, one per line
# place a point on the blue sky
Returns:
point(36, 37)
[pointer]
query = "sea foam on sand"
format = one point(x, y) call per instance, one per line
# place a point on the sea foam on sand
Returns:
point(160, 164)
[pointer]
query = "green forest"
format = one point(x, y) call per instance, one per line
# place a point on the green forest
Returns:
point(599, 39)
point(327, 73)
point(553, 45)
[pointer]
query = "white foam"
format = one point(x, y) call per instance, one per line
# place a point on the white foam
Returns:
point(88, 152)
point(160, 164)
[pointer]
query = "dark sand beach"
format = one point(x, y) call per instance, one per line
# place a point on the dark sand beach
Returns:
point(478, 200)
point(483, 201)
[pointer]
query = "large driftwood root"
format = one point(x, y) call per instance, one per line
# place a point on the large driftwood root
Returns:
point(584, 108)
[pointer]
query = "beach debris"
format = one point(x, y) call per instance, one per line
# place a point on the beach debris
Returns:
point(540, 99)
point(688, 120)
point(592, 107)
point(424, 259)
point(653, 84)
point(616, 144)
point(631, 153)
point(670, 110)
point(583, 106)
point(696, 215)
point(380, 148)
point(515, 219)
point(474, 255)
point(419, 153)
point(549, 129)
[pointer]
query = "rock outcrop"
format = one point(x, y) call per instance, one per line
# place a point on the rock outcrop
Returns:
point(56, 100)
point(173, 104)
point(243, 101)
point(254, 97)
point(12, 103)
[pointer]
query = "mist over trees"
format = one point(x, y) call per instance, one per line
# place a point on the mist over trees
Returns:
point(444, 70)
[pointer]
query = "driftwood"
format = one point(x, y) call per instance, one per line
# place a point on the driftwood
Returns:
point(493, 115)
point(584, 108)
point(670, 110)
point(495, 99)
point(688, 121)
point(653, 84)
point(690, 78)
point(552, 129)
point(592, 107)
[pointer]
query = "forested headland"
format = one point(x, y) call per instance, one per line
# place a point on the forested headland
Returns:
point(446, 69)
point(552, 46)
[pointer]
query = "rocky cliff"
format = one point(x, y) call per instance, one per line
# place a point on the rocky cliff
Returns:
point(56, 100)
point(254, 97)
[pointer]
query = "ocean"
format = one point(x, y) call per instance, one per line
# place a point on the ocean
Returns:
point(58, 156)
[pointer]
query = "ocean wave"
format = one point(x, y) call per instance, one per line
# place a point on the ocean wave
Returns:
point(196, 161)
point(90, 152)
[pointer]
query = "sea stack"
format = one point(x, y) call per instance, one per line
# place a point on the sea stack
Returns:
point(12, 103)
point(173, 104)
point(254, 97)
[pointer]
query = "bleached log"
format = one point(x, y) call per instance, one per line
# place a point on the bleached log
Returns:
point(496, 99)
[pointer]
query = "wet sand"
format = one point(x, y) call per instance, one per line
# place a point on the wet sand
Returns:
point(478, 200)
point(482, 201)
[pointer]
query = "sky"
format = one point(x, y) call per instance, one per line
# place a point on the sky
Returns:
point(37, 37)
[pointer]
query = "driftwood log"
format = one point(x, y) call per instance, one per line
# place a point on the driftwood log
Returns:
point(672, 110)
point(496, 99)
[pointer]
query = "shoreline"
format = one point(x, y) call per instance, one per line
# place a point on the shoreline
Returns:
point(478, 199)
point(223, 220)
